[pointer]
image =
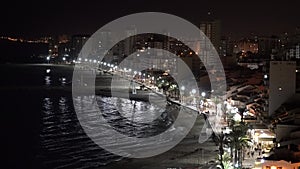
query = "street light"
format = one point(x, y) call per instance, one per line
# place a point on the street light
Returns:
point(203, 94)
point(182, 88)
point(48, 70)
point(48, 58)
point(237, 117)
point(194, 91)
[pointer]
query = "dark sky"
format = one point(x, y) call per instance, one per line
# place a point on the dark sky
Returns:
point(29, 18)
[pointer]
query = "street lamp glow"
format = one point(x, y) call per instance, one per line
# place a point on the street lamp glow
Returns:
point(79, 59)
point(64, 59)
point(85, 60)
point(194, 91)
point(236, 165)
point(228, 106)
point(203, 94)
point(48, 58)
point(182, 88)
point(237, 117)
point(135, 72)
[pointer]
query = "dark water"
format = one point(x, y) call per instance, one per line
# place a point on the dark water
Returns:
point(39, 128)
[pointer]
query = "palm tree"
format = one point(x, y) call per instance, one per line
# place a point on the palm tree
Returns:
point(222, 141)
point(238, 140)
point(226, 162)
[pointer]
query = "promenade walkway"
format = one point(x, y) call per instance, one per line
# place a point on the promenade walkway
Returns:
point(198, 156)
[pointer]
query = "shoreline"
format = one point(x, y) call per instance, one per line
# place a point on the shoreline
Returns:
point(188, 153)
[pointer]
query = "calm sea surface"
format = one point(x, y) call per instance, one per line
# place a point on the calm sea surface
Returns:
point(39, 128)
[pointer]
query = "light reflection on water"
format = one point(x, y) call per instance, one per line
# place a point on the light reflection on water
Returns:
point(47, 80)
point(65, 144)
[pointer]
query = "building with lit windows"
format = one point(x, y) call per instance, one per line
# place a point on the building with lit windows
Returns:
point(268, 164)
point(77, 43)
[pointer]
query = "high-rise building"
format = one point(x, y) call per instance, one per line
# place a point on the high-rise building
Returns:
point(282, 83)
point(293, 52)
point(130, 42)
point(268, 45)
point(226, 46)
point(212, 29)
point(77, 43)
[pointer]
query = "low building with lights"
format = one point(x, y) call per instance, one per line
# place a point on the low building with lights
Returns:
point(281, 164)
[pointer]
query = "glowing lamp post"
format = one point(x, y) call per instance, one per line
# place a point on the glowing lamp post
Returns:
point(48, 59)
point(193, 92)
point(182, 89)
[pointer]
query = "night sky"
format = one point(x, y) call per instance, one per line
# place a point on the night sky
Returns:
point(238, 18)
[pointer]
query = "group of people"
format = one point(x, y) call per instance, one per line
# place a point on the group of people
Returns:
point(257, 148)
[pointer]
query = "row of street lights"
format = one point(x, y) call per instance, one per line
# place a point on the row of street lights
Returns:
point(129, 72)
